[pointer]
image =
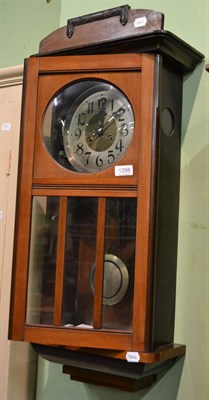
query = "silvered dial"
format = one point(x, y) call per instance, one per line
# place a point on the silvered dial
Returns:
point(98, 129)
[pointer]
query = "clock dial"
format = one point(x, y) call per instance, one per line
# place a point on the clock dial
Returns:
point(98, 128)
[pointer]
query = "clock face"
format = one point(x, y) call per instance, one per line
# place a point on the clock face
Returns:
point(96, 126)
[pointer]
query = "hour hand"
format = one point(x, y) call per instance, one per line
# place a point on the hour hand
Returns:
point(101, 117)
point(102, 114)
point(99, 132)
point(104, 125)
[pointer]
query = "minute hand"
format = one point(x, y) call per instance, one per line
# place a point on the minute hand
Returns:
point(115, 115)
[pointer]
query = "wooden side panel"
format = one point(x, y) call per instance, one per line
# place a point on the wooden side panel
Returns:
point(143, 274)
point(167, 204)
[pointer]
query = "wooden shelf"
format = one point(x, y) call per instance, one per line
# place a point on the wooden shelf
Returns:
point(112, 369)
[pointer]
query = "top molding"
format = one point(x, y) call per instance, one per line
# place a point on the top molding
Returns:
point(104, 32)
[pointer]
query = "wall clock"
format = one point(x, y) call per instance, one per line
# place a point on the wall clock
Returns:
point(97, 214)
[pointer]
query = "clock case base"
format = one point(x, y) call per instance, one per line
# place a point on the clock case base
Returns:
point(113, 372)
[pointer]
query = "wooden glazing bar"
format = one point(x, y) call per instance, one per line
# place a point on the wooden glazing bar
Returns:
point(99, 263)
point(60, 261)
point(80, 192)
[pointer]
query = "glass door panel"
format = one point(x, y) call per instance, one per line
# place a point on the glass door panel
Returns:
point(99, 235)
point(80, 256)
point(42, 260)
point(118, 280)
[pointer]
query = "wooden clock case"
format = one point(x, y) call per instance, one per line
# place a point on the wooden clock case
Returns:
point(148, 67)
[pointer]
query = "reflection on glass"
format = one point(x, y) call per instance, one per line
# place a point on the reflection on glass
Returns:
point(42, 261)
point(58, 111)
point(80, 262)
point(80, 254)
point(120, 234)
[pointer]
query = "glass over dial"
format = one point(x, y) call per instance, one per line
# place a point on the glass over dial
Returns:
point(92, 124)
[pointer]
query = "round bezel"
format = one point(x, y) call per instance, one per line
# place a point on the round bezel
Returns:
point(93, 129)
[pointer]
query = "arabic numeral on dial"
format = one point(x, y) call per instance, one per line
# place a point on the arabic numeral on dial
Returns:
point(87, 154)
point(77, 133)
point(99, 161)
point(102, 103)
point(79, 149)
point(81, 118)
point(124, 130)
point(111, 157)
point(121, 112)
point(119, 145)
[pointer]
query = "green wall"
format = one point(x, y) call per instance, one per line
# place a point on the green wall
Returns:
point(23, 23)
point(188, 19)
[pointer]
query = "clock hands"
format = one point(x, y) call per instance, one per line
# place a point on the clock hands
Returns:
point(103, 126)
point(115, 115)
point(102, 114)
point(99, 127)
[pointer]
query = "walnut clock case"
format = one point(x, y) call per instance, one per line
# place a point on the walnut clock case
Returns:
point(97, 212)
